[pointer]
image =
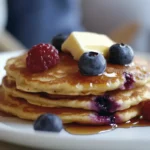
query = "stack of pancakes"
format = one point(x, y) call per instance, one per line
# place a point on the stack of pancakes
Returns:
point(116, 96)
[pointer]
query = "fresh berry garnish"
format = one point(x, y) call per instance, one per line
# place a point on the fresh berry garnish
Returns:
point(48, 122)
point(92, 63)
point(121, 54)
point(146, 110)
point(58, 40)
point(41, 57)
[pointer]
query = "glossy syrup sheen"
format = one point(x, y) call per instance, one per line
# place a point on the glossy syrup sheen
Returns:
point(91, 129)
point(67, 71)
point(66, 79)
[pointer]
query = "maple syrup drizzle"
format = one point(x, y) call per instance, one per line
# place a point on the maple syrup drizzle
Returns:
point(87, 129)
point(93, 129)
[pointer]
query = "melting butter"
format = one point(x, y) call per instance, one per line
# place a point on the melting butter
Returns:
point(80, 42)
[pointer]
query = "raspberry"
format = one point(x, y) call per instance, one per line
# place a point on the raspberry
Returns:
point(41, 57)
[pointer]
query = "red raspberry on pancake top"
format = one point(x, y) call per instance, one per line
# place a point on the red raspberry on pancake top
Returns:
point(41, 57)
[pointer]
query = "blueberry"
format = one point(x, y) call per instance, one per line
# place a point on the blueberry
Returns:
point(48, 122)
point(121, 54)
point(58, 40)
point(92, 63)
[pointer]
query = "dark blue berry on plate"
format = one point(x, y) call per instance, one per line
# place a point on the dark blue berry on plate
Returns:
point(92, 63)
point(48, 122)
point(121, 54)
point(58, 40)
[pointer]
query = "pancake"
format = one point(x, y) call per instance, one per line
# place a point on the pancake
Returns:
point(20, 108)
point(108, 102)
point(65, 78)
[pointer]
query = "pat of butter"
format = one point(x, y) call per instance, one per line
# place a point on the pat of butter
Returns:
point(80, 42)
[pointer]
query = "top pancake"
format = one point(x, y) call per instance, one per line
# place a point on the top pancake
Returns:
point(65, 78)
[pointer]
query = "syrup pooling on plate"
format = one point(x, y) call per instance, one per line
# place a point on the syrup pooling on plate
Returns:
point(91, 129)
point(87, 129)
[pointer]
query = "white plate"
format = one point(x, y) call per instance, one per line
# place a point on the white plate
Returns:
point(21, 132)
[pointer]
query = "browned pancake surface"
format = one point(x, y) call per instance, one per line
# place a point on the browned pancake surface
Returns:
point(65, 78)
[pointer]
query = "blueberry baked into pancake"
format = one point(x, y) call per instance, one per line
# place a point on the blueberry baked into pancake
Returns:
point(90, 80)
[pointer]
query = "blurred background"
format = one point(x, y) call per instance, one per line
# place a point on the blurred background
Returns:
point(24, 23)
